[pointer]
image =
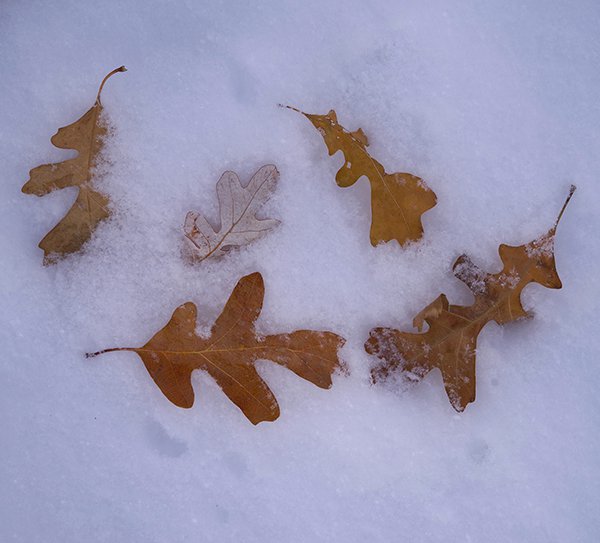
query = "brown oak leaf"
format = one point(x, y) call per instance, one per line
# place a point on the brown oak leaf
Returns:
point(397, 199)
point(450, 343)
point(229, 353)
point(75, 228)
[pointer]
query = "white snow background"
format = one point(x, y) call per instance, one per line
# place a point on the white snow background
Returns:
point(495, 104)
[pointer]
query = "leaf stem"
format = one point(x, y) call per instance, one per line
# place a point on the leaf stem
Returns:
point(116, 70)
point(292, 108)
point(112, 350)
point(571, 191)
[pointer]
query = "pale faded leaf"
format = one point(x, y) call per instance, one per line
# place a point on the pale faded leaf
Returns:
point(238, 207)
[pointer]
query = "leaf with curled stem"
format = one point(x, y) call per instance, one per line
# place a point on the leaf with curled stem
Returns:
point(86, 136)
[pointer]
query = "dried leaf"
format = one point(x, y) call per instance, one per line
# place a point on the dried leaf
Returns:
point(238, 207)
point(397, 199)
point(75, 228)
point(228, 355)
point(450, 343)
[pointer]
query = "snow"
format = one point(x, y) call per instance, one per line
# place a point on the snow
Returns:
point(493, 104)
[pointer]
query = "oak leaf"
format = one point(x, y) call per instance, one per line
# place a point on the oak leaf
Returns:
point(228, 355)
point(397, 199)
point(238, 206)
point(86, 136)
point(450, 343)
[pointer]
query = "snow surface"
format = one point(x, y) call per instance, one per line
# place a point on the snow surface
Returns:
point(495, 104)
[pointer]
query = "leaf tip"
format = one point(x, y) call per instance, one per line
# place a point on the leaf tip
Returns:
point(255, 278)
point(360, 136)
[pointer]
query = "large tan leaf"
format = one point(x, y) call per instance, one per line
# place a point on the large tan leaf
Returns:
point(450, 343)
point(228, 355)
point(75, 228)
point(397, 199)
point(238, 207)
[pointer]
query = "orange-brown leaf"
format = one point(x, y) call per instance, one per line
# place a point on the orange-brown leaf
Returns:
point(397, 199)
point(450, 343)
point(230, 352)
point(75, 228)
